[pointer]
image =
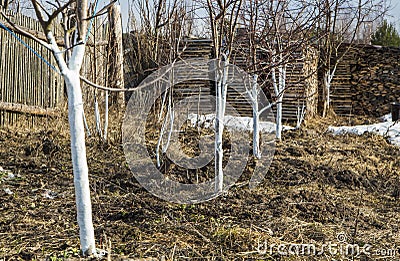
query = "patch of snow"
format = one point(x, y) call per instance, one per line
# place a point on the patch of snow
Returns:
point(233, 123)
point(388, 129)
point(387, 117)
point(49, 194)
point(9, 176)
point(8, 191)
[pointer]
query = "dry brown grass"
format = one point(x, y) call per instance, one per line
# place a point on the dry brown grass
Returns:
point(317, 186)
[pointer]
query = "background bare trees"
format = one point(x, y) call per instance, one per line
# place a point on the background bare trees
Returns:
point(223, 19)
point(340, 24)
point(154, 31)
point(277, 31)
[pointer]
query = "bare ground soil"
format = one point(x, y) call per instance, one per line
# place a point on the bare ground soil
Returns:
point(319, 189)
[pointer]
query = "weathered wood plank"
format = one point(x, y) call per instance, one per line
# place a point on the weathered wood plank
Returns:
point(34, 110)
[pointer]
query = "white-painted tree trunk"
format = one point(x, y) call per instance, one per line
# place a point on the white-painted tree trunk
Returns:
point(80, 167)
point(159, 142)
point(71, 75)
point(256, 118)
point(164, 100)
point(327, 89)
point(106, 109)
point(279, 89)
point(301, 113)
point(171, 123)
point(279, 112)
point(219, 129)
point(78, 152)
point(328, 76)
point(221, 93)
point(86, 125)
point(171, 115)
point(97, 116)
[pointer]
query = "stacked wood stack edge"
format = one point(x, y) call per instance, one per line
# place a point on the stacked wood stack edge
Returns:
point(367, 79)
point(302, 81)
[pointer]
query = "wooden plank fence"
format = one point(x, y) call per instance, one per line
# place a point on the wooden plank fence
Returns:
point(26, 82)
point(28, 86)
point(95, 63)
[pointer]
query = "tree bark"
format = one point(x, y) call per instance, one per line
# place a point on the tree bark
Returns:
point(328, 76)
point(116, 72)
point(78, 150)
point(71, 75)
point(221, 94)
point(256, 119)
point(279, 111)
point(80, 167)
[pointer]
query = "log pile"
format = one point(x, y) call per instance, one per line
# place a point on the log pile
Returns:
point(376, 80)
point(310, 75)
point(372, 80)
point(302, 82)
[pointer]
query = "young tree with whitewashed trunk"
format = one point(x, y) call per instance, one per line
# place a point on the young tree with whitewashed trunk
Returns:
point(71, 74)
point(330, 10)
point(254, 94)
point(221, 96)
point(275, 45)
point(276, 31)
point(256, 117)
point(251, 20)
point(279, 89)
point(340, 23)
point(223, 18)
point(168, 24)
point(69, 61)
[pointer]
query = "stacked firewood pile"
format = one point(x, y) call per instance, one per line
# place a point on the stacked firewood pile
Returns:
point(374, 78)
point(302, 82)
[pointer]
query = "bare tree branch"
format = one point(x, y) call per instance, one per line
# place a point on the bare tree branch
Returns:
point(34, 35)
point(82, 14)
point(59, 10)
point(102, 11)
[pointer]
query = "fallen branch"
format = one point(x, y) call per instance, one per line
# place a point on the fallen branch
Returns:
point(28, 109)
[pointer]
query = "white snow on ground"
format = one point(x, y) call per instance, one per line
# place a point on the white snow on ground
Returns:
point(388, 129)
point(6, 175)
point(233, 123)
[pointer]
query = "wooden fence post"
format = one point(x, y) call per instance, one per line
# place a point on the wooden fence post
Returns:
point(116, 56)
